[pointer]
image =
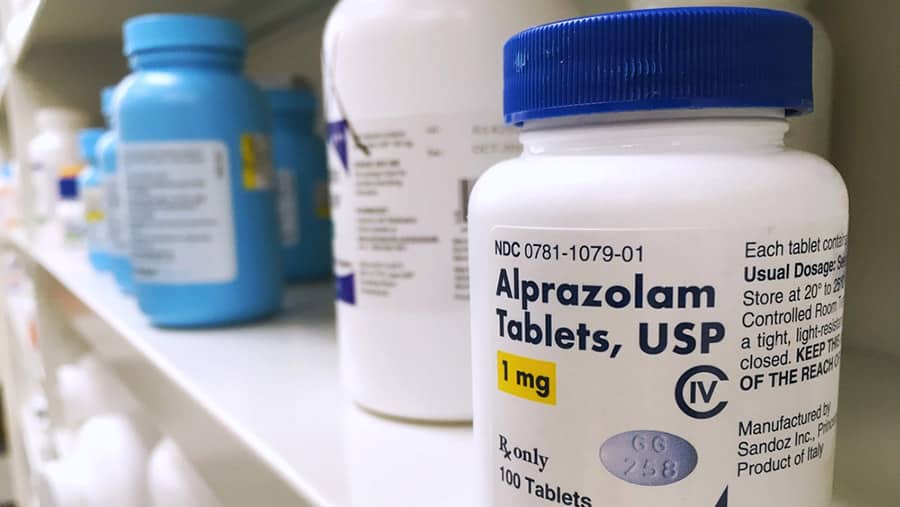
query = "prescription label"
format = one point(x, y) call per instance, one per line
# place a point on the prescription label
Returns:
point(256, 156)
point(399, 196)
point(288, 214)
point(181, 214)
point(685, 368)
point(115, 199)
point(95, 218)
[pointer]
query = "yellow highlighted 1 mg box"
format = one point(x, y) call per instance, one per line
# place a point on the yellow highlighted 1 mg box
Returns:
point(527, 378)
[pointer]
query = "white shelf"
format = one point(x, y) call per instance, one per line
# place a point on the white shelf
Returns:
point(266, 398)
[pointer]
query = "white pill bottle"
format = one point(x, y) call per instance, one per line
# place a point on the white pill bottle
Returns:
point(811, 132)
point(413, 102)
point(657, 283)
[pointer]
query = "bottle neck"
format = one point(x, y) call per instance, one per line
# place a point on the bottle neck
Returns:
point(188, 58)
point(707, 130)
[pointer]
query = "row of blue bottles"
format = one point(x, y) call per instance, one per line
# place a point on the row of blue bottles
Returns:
point(214, 191)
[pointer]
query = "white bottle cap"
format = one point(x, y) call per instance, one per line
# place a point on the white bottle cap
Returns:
point(59, 484)
point(173, 481)
point(88, 388)
point(60, 118)
point(113, 451)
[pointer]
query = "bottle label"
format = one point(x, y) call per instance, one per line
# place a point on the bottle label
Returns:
point(399, 195)
point(257, 172)
point(684, 368)
point(115, 202)
point(95, 218)
point(182, 220)
point(45, 189)
point(287, 208)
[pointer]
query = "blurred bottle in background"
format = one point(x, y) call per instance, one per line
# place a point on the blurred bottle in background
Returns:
point(302, 178)
point(52, 151)
point(90, 184)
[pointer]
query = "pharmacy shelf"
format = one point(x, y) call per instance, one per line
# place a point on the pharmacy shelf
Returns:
point(258, 408)
point(5, 68)
point(20, 28)
point(42, 22)
point(6, 488)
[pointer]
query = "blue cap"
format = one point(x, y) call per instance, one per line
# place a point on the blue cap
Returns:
point(87, 141)
point(152, 32)
point(68, 188)
point(681, 58)
point(291, 100)
point(106, 100)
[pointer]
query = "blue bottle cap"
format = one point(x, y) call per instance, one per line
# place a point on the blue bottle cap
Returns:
point(680, 58)
point(106, 100)
point(292, 100)
point(87, 141)
point(68, 188)
point(188, 31)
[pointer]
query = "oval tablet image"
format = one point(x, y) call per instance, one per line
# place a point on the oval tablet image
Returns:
point(648, 458)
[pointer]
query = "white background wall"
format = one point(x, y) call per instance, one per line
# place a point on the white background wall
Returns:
point(866, 148)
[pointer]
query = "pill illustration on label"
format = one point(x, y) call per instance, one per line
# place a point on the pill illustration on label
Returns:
point(648, 458)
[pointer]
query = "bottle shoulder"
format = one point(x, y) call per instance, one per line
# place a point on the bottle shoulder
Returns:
point(158, 86)
point(49, 140)
point(90, 176)
point(170, 105)
point(661, 189)
point(106, 143)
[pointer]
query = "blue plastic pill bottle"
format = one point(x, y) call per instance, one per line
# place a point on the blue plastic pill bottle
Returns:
point(196, 148)
point(302, 174)
point(90, 181)
point(114, 197)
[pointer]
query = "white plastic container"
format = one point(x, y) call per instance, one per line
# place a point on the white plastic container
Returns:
point(412, 97)
point(87, 389)
point(52, 151)
point(107, 468)
point(8, 203)
point(657, 283)
point(173, 481)
point(811, 132)
point(69, 212)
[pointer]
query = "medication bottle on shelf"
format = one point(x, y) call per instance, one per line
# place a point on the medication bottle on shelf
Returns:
point(412, 99)
point(195, 147)
point(90, 184)
point(657, 283)
point(69, 211)
point(8, 196)
point(87, 388)
point(302, 177)
point(811, 132)
point(53, 149)
point(107, 466)
point(173, 482)
point(115, 197)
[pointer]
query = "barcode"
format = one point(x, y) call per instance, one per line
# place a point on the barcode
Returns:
point(465, 189)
